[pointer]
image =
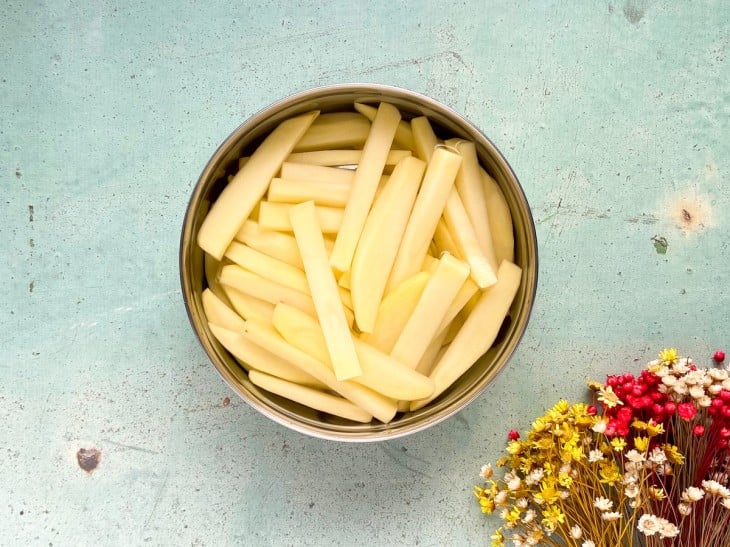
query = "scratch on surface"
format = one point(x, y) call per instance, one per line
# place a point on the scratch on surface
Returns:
point(405, 465)
point(130, 447)
point(158, 497)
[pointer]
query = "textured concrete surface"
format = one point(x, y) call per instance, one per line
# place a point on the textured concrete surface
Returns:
point(615, 116)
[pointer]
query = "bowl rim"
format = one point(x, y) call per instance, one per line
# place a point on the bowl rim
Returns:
point(357, 433)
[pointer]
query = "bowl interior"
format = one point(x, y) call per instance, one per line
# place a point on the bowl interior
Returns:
point(446, 123)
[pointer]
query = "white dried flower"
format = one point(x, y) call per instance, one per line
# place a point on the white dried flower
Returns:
point(684, 509)
point(603, 504)
point(692, 494)
point(600, 425)
point(588, 543)
point(657, 456)
point(697, 392)
point(529, 516)
point(500, 498)
point(595, 455)
point(714, 488)
point(487, 472)
point(717, 374)
point(635, 456)
point(704, 402)
point(680, 389)
point(610, 517)
point(669, 381)
point(522, 503)
point(631, 491)
point(648, 524)
point(534, 476)
point(514, 483)
point(714, 389)
point(725, 503)
point(576, 532)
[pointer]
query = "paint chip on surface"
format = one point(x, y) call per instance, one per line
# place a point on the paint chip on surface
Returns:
point(88, 459)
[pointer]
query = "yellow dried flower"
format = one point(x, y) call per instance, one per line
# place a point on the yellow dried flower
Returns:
point(641, 444)
point(609, 473)
point(668, 356)
point(608, 397)
point(673, 454)
point(549, 492)
point(552, 516)
point(497, 538)
point(618, 444)
point(594, 386)
point(656, 493)
point(653, 429)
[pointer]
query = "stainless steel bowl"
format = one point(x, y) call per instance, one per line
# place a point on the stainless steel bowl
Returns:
point(447, 123)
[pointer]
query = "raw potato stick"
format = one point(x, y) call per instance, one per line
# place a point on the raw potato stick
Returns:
point(424, 139)
point(299, 191)
point(467, 291)
point(423, 324)
point(316, 173)
point(249, 307)
point(335, 158)
point(216, 311)
point(275, 216)
point(255, 357)
point(212, 268)
point(444, 241)
point(394, 311)
point(312, 398)
point(248, 186)
point(500, 220)
point(478, 333)
point(324, 289)
point(335, 130)
point(403, 135)
point(380, 407)
point(380, 239)
point(471, 191)
point(254, 285)
point(275, 244)
point(430, 202)
point(380, 372)
point(267, 267)
point(364, 185)
point(461, 229)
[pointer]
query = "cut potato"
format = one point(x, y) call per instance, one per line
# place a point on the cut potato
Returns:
point(337, 158)
point(382, 408)
point(216, 311)
point(316, 399)
point(478, 333)
point(380, 372)
point(325, 292)
point(264, 289)
point(423, 324)
point(380, 239)
point(403, 135)
point(364, 185)
point(249, 307)
point(500, 220)
point(268, 267)
point(459, 226)
point(444, 241)
point(329, 193)
point(249, 185)
point(424, 139)
point(430, 202)
point(394, 311)
point(316, 173)
point(275, 216)
point(253, 356)
point(275, 244)
point(471, 191)
point(335, 130)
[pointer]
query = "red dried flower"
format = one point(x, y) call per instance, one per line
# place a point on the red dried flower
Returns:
point(686, 411)
point(719, 356)
point(513, 435)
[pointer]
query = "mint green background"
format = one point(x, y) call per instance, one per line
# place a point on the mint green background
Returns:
point(615, 116)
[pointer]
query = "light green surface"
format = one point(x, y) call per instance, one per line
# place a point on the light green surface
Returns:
point(614, 115)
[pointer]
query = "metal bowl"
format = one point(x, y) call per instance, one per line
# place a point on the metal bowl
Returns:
point(446, 123)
